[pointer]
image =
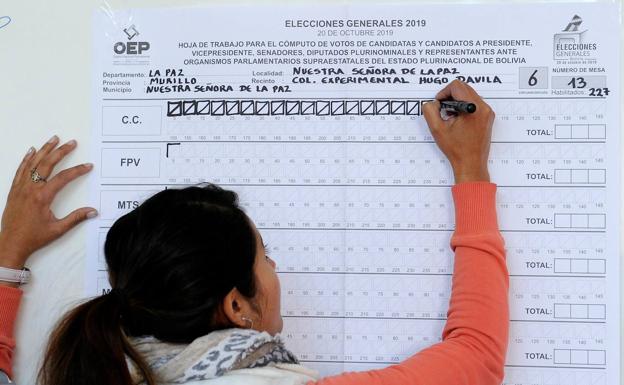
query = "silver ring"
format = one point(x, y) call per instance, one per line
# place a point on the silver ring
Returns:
point(36, 177)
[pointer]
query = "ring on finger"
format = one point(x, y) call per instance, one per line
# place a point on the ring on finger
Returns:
point(36, 177)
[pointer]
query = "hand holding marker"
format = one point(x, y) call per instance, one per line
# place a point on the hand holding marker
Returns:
point(463, 137)
point(450, 108)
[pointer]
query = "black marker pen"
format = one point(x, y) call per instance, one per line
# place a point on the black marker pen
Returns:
point(458, 106)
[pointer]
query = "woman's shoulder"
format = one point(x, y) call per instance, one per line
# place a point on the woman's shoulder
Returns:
point(279, 374)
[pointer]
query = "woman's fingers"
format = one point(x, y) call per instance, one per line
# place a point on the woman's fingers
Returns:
point(431, 111)
point(22, 170)
point(73, 219)
point(64, 177)
point(43, 152)
point(48, 163)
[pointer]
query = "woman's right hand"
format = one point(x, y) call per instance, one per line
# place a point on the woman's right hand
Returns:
point(465, 138)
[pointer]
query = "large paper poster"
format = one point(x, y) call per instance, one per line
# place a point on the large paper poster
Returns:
point(313, 115)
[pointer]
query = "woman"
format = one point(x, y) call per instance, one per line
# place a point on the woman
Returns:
point(195, 299)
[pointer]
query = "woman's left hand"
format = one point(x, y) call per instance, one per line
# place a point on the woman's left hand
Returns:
point(28, 223)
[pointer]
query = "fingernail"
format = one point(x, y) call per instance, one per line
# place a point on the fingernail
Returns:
point(92, 214)
point(53, 139)
point(88, 165)
point(72, 142)
point(30, 151)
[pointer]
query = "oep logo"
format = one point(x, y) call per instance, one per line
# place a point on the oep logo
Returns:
point(131, 47)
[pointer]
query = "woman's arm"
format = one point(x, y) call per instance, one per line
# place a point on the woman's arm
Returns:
point(475, 335)
point(28, 224)
point(9, 303)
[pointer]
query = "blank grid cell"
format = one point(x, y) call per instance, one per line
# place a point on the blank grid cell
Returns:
point(563, 176)
point(580, 131)
point(579, 357)
point(596, 266)
point(563, 220)
point(578, 311)
point(597, 131)
point(562, 310)
point(563, 131)
point(579, 266)
point(597, 311)
point(563, 265)
point(579, 221)
point(596, 221)
point(598, 176)
point(580, 176)
point(597, 357)
point(562, 356)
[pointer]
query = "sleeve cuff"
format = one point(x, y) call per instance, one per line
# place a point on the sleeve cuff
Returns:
point(475, 207)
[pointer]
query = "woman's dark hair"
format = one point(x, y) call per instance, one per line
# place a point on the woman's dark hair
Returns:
point(171, 261)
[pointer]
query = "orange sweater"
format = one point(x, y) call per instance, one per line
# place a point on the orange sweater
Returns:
point(9, 303)
point(475, 335)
